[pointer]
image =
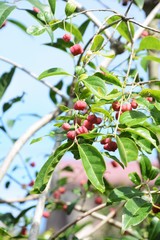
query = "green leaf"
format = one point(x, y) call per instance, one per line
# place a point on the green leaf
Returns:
point(149, 58)
point(127, 149)
point(5, 10)
point(109, 78)
point(114, 158)
point(97, 43)
point(157, 182)
point(38, 4)
point(145, 166)
point(122, 27)
point(131, 118)
point(139, 3)
point(36, 140)
point(147, 92)
point(90, 135)
point(48, 168)
point(70, 7)
point(143, 143)
point(149, 43)
point(36, 30)
point(93, 164)
point(9, 104)
point(135, 211)
point(96, 86)
point(154, 229)
point(144, 133)
point(123, 193)
point(95, 109)
point(134, 177)
point(153, 173)
point(18, 24)
point(53, 94)
point(4, 234)
point(52, 4)
point(53, 72)
point(5, 80)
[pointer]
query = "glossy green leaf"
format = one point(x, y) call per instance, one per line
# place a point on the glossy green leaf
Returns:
point(149, 43)
point(36, 30)
point(95, 109)
point(53, 94)
point(5, 80)
point(4, 234)
point(97, 43)
point(18, 24)
point(70, 7)
point(53, 72)
point(154, 229)
point(52, 4)
point(139, 3)
point(131, 118)
point(114, 158)
point(147, 92)
point(149, 58)
point(36, 140)
point(153, 173)
point(134, 177)
point(113, 94)
point(90, 135)
point(5, 10)
point(157, 182)
point(96, 86)
point(145, 166)
point(94, 165)
point(8, 105)
point(48, 168)
point(123, 193)
point(144, 133)
point(122, 27)
point(109, 78)
point(135, 211)
point(143, 143)
point(127, 149)
point(155, 113)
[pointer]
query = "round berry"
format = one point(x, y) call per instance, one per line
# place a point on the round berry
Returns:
point(126, 107)
point(114, 164)
point(116, 106)
point(134, 104)
point(117, 114)
point(31, 183)
point(24, 231)
point(149, 99)
point(57, 194)
point(80, 105)
point(67, 37)
point(76, 50)
point(46, 214)
point(99, 120)
point(71, 135)
point(66, 126)
point(111, 146)
point(65, 206)
point(36, 10)
point(32, 164)
point(92, 118)
point(145, 33)
point(88, 125)
point(156, 209)
point(62, 190)
point(98, 200)
point(105, 141)
point(77, 121)
point(81, 130)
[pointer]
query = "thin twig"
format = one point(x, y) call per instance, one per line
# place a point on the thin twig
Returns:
point(23, 139)
point(24, 199)
point(33, 75)
point(77, 220)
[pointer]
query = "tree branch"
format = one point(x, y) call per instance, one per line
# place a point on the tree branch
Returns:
point(24, 199)
point(54, 89)
point(23, 139)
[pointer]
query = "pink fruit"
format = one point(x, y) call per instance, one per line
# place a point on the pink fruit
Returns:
point(80, 105)
point(76, 50)
point(149, 99)
point(144, 34)
point(77, 121)
point(65, 206)
point(116, 106)
point(35, 9)
point(98, 200)
point(114, 164)
point(62, 190)
point(46, 214)
point(92, 118)
point(32, 164)
point(106, 140)
point(71, 135)
point(117, 113)
point(99, 120)
point(111, 146)
point(126, 107)
point(31, 183)
point(134, 104)
point(66, 126)
point(88, 125)
point(66, 37)
point(81, 130)
point(57, 194)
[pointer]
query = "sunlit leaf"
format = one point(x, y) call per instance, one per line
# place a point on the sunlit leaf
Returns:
point(53, 72)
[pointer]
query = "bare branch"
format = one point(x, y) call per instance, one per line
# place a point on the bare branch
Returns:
point(24, 199)
point(33, 75)
point(23, 139)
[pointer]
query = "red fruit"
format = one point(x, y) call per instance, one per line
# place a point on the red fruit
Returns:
point(125, 2)
point(81, 130)
point(46, 214)
point(116, 106)
point(92, 118)
point(71, 135)
point(4, 24)
point(134, 104)
point(82, 182)
point(76, 49)
point(62, 190)
point(65, 206)
point(98, 200)
point(111, 146)
point(99, 120)
point(66, 126)
point(57, 194)
point(32, 164)
point(66, 37)
point(156, 209)
point(35, 9)
point(88, 125)
point(149, 99)
point(77, 121)
point(24, 231)
point(80, 105)
point(114, 164)
point(106, 140)
point(144, 34)
point(31, 183)
point(126, 107)
point(117, 113)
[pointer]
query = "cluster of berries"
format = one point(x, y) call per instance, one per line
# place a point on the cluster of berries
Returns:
point(109, 145)
point(76, 49)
